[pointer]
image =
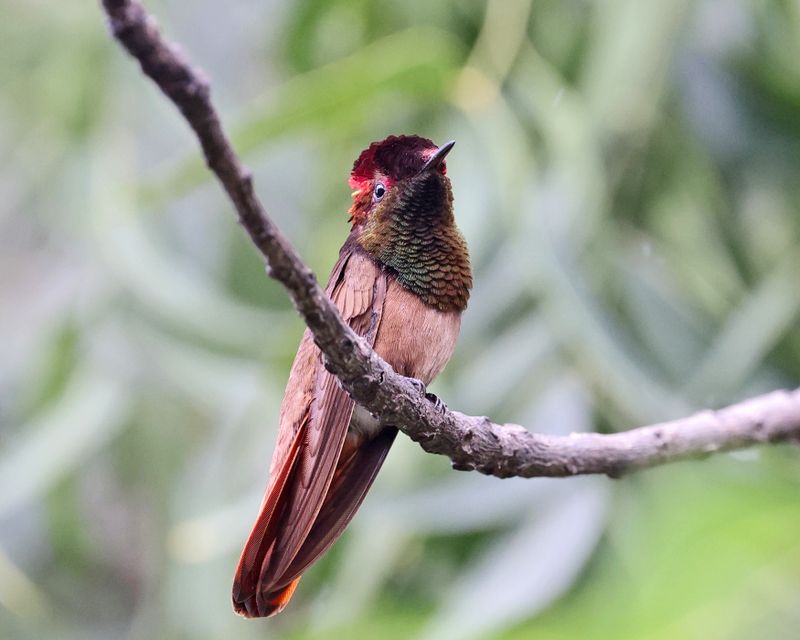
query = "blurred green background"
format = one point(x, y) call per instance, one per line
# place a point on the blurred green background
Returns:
point(626, 176)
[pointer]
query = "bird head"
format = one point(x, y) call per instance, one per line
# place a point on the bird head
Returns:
point(401, 177)
point(402, 216)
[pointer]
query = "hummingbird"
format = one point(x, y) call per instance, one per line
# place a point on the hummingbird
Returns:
point(402, 280)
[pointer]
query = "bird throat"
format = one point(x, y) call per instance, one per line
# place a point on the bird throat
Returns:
point(415, 236)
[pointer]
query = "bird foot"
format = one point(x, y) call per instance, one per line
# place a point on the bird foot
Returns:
point(419, 384)
point(438, 403)
point(440, 406)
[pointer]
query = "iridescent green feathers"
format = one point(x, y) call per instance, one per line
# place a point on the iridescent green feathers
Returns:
point(412, 229)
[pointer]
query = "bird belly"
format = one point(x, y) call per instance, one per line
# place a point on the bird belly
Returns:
point(363, 424)
point(415, 339)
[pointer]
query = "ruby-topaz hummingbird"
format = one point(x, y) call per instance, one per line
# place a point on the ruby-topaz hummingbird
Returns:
point(401, 281)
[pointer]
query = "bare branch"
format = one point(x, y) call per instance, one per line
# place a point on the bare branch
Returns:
point(472, 443)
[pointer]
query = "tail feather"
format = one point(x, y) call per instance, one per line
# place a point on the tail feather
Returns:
point(261, 541)
point(359, 463)
point(355, 473)
point(273, 602)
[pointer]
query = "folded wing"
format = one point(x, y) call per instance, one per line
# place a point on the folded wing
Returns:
point(318, 476)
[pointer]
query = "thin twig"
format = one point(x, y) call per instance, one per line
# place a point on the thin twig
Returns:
point(472, 443)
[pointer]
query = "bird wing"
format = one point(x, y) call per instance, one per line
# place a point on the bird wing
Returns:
point(315, 415)
point(359, 463)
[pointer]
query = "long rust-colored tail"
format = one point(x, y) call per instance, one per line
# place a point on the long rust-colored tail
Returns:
point(259, 545)
point(260, 591)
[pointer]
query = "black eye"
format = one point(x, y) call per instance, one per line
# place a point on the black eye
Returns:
point(379, 191)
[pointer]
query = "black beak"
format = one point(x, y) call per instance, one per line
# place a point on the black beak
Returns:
point(438, 157)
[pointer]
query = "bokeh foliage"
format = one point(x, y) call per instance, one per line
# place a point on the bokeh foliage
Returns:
point(625, 175)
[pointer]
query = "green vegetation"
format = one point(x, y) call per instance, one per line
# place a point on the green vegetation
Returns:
point(626, 177)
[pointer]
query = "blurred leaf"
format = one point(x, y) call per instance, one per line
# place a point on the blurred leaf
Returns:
point(529, 568)
point(18, 594)
point(751, 330)
point(605, 353)
point(672, 334)
point(88, 414)
point(630, 44)
point(418, 62)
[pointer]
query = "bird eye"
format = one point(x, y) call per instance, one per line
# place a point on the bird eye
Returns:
point(378, 192)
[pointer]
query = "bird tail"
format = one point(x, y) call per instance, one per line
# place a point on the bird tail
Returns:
point(259, 593)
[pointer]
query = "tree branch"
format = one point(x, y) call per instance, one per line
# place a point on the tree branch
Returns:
point(472, 443)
